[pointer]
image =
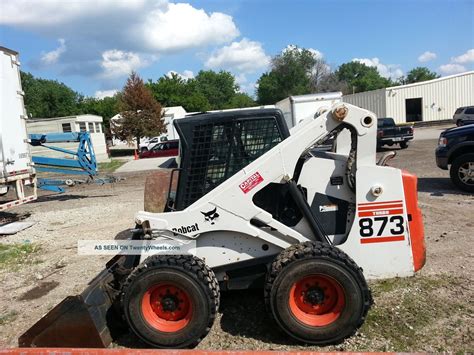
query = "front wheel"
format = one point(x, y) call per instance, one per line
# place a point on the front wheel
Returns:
point(171, 301)
point(462, 172)
point(317, 294)
point(404, 145)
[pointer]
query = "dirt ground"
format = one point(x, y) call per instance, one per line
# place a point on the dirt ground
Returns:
point(432, 311)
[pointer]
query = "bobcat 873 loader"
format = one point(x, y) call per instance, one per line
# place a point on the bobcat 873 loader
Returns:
point(264, 208)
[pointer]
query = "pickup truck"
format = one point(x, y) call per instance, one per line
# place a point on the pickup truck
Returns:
point(456, 150)
point(388, 133)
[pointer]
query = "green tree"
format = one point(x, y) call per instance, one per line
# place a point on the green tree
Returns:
point(106, 108)
point(268, 89)
point(240, 100)
point(419, 74)
point(360, 77)
point(291, 74)
point(219, 88)
point(48, 98)
point(141, 113)
point(175, 91)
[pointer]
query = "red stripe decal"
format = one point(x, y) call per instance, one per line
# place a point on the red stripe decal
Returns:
point(369, 208)
point(380, 213)
point(378, 203)
point(383, 239)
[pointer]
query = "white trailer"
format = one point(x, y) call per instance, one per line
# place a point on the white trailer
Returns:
point(297, 108)
point(16, 170)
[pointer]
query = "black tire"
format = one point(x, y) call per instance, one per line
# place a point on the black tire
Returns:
point(314, 259)
point(184, 272)
point(459, 123)
point(404, 145)
point(143, 150)
point(457, 176)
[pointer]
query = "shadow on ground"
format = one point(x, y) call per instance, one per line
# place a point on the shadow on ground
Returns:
point(66, 197)
point(243, 314)
point(9, 217)
point(437, 186)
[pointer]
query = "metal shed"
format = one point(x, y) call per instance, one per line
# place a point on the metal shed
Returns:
point(431, 100)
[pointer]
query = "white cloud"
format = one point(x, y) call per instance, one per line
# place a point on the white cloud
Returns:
point(186, 74)
point(391, 71)
point(100, 94)
point(152, 26)
point(180, 26)
point(464, 58)
point(140, 31)
point(49, 13)
point(452, 68)
point(426, 57)
point(116, 63)
point(244, 56)
point(52, 57)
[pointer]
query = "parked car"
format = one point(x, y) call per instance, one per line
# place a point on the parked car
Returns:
point(464, 116)
point(388, 133)
point(148, 144)
point(456, 149)
point(163, 149)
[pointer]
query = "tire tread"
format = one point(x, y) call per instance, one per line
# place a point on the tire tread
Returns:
point(193, 266)
point(311, 249)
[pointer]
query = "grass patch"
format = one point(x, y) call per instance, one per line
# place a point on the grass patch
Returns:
point(8, 317)
point(408, 311)
point(110, 166)
point(16, 254)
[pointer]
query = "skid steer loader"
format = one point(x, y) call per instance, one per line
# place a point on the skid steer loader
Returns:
point(265, 208)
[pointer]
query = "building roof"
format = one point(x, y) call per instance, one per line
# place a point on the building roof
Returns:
point(71, 118)
point(427, 82)
point(430, 81)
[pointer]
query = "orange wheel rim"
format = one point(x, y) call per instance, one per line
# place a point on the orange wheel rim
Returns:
point(166, 307)
point(316, 300)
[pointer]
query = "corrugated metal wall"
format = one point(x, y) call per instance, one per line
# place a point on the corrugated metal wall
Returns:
point(370, 100)
point(440, 98)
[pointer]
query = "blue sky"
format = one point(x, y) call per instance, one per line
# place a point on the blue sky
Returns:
point(91, 45)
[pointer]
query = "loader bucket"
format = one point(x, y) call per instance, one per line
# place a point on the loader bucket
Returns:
point(87, 320)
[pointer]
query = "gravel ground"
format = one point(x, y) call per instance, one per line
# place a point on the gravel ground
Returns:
point(429, 312)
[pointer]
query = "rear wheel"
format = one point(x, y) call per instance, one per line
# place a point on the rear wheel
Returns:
point(462, 172)
point(317, 294)
point(171, 301)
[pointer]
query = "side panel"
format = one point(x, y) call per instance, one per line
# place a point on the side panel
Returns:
point(379, 240)
point(224, 248)
point(14, 148)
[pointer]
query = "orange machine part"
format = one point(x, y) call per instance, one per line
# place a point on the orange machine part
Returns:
point(417, 232)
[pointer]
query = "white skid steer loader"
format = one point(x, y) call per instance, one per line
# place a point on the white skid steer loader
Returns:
point(264, 208)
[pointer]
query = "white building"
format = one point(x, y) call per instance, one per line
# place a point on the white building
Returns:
point(81, 123)
point(425, 101)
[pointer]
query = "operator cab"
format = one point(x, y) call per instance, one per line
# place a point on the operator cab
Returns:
point(214, 146)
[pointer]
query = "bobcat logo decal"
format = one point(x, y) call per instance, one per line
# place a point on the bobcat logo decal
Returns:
point(211, 215)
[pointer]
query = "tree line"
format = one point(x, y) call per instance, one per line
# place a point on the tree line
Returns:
point(295, 71)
